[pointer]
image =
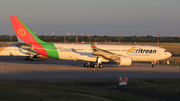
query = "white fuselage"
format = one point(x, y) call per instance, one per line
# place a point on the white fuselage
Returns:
point(137, 53)
point(12, 51)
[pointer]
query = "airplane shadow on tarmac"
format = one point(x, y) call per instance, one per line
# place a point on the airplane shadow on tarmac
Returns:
point(15, 68)
point(19, 59)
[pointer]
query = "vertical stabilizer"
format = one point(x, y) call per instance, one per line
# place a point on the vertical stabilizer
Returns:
point(23, 33)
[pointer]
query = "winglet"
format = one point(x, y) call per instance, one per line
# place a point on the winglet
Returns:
point(93, 46)
point(13, 44)
point(73, 50)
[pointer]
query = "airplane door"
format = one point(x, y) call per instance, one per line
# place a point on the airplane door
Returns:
point(48, 48)
point(158, 53)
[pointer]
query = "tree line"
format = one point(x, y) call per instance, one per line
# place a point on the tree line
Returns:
point(95, 38)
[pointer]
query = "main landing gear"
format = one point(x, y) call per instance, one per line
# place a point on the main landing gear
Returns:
point(96, 65)
point(28, 58)
point(90, 64)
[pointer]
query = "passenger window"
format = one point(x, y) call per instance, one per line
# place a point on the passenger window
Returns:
point(165, 51)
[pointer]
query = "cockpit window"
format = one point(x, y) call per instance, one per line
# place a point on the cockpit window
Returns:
point(165, 51)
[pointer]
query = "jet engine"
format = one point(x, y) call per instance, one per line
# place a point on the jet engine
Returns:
point(40, 56)
point(43, 57)
point(126, 61)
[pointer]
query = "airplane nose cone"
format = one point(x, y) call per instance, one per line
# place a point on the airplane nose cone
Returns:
point(169, 54)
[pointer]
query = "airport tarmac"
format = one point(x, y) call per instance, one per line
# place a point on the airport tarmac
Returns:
point(15, 68)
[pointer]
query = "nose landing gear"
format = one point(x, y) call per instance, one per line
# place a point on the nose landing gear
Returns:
point(153, 64)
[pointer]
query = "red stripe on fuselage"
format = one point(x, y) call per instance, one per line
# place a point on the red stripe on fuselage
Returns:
point(26, 36)
point(93, 46)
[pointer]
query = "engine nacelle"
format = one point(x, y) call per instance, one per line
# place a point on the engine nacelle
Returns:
point(43, 57)
point(40, 56)
point(126, 61)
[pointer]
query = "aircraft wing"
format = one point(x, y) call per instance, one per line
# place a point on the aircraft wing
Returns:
point(82, 53)
point(97, 52)
point(104, 53)
point(22, 45)
point(111, 57)
point(25, 46)
point(84, 56)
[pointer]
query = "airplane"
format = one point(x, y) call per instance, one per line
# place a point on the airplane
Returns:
point(16, 51)
point(100, 54)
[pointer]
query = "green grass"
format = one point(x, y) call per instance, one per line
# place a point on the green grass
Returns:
point(167, 86)
point(82, 91)
point(61, 91)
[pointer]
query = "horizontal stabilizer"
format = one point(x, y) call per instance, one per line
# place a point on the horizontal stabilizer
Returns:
point(93, 46)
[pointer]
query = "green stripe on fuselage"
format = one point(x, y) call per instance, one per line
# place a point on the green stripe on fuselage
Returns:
point(51, 50)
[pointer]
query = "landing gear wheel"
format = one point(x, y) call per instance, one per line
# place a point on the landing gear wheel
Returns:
point(153, 65)
point(100, 65)
point(86, 65)
point(91, 65)
point(95, 66)
point(26, 59)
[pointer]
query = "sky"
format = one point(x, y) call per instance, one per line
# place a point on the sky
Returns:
point(93, 17)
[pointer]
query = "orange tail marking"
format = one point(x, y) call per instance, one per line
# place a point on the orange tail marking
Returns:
point(2, 48)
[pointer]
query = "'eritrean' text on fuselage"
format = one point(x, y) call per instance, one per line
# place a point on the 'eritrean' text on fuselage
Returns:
point(145, 51)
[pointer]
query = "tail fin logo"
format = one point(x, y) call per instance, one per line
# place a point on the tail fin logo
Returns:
point(131, 50)
point(21, 32)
